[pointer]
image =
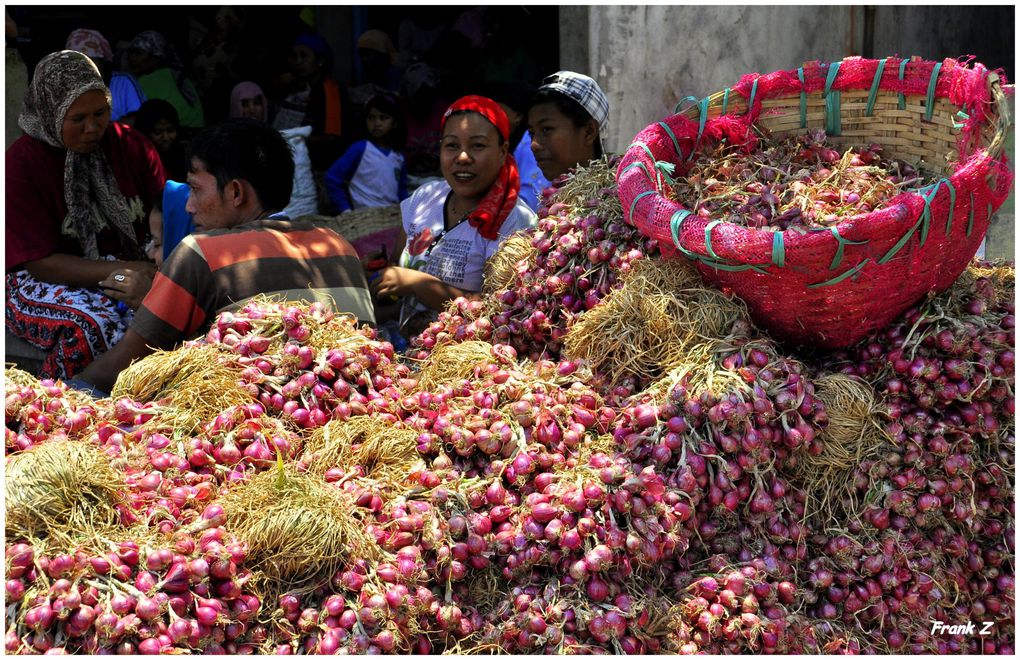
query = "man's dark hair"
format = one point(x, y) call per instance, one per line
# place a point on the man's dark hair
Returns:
point(570, 108)
point(248, 150)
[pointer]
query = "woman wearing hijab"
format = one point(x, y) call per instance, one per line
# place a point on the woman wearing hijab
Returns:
point(451, 227)
point(160, 74)
point(311, 97)
point(248, 100)
point(124, 88)
point(78, 191)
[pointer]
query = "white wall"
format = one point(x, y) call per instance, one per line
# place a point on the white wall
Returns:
point(647, 58)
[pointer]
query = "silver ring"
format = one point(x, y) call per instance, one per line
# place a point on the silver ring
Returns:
point(119, 278)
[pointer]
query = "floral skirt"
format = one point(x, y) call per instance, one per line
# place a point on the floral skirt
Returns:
point(73, 326)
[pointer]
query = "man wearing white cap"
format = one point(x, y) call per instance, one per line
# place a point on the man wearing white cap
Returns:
point(567, 119)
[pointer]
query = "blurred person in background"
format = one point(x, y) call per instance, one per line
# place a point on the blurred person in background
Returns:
point(161, 75)
point(379, 73)
point(125, 91)
point(372, 172)
point(248, 100)
point(157, 120)
point(309, 96)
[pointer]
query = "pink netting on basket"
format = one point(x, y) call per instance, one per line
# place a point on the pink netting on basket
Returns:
point(830, 287)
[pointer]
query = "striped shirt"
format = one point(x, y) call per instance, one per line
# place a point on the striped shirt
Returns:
point(220, 270)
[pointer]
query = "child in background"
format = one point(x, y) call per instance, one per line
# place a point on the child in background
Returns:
point(157, 120)
point(169, 222)
point(372, 172)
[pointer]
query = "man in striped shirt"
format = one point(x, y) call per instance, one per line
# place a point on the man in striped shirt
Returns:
point(241, 175)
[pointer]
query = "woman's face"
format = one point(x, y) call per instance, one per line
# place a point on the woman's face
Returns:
point(557, 142)
point(303, 62)
point(163, 134)
point(254, 107)
point(140, 62)
point(85, 122)
point(470, 155)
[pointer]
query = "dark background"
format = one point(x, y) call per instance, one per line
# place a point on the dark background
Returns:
point(266, 33)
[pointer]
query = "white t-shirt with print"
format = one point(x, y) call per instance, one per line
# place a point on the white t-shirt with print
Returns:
point(459, 257)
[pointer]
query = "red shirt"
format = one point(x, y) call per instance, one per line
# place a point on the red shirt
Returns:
point(34, 192)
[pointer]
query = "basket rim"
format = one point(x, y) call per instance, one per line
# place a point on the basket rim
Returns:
point(846, 229)
point(1000, 101)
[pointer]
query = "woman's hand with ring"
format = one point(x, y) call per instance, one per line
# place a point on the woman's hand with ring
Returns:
point(127, 285)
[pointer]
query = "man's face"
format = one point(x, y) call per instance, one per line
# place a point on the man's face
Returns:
point(208, 206)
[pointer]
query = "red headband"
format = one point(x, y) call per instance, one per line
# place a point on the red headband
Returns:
point(501, 198)
point(486, 107)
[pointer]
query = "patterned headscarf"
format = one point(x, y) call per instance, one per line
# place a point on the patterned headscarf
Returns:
point(501, 198)
point(90, 43)
point(93, 198)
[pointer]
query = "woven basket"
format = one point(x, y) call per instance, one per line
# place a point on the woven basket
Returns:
point(372, 231)
point(361, 223)
point(830, 287)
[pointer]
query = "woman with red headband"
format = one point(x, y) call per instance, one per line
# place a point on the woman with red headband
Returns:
point(451, 227)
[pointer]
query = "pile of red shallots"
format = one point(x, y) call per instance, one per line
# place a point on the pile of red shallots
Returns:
point(797, 182)
point(521, 505)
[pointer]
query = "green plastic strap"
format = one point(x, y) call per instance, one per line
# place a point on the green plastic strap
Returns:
point(725, 100)
point(832, 99)
point(837, 259)
point(703, 108)
point(903, 98)
point(962, 115)
point(873, 94)
point(656, 179)
point(778, 249)
point(803, 98)
point(930, 102)
point(676, 144)
point(952, 203)
point(642, 166)
point(643, 146)
point(926, 214)
point(970, 220)
point(680, 104)
point(665, 170)
point(708, 238)
point(754, 93)
point(638, 198)
point(674, 227)
point(675, 223)
point(900, 243)
point(733, 268)
point(836, 280)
